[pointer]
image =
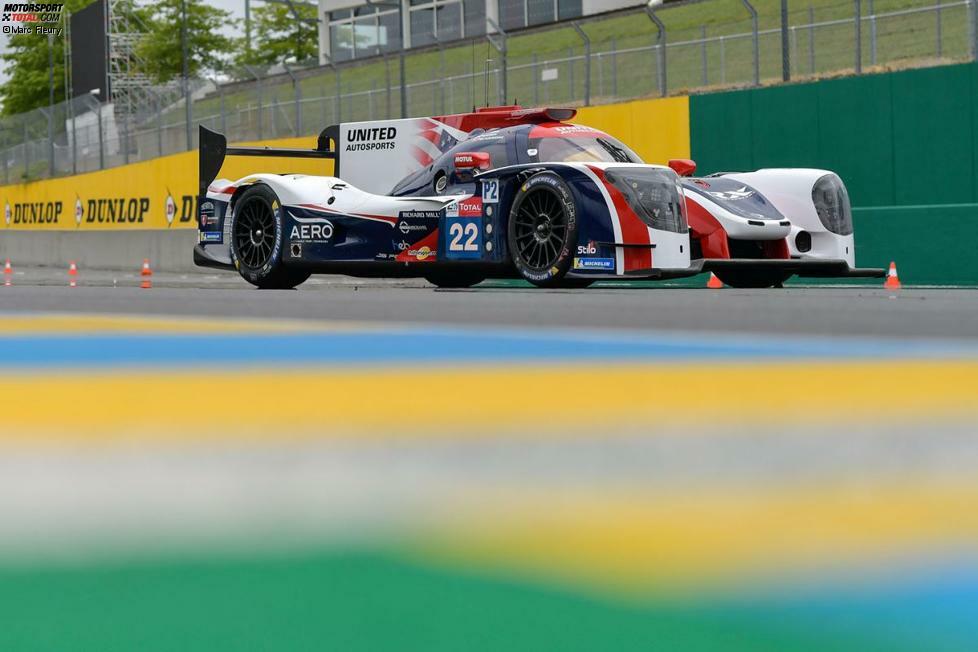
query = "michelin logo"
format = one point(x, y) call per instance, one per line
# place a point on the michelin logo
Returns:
point(594, 263)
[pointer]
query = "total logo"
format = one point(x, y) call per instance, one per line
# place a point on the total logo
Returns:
point(589, 249)
point(406, 228)
point(171, 209)
point(79, 211)
point(7, 213)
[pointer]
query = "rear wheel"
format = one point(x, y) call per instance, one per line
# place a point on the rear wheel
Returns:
point(256, 241)
point(543, 230)
point(752, 278)
point(454, 279)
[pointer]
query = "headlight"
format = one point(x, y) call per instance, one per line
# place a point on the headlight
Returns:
point(832, 204)
point(655, 195)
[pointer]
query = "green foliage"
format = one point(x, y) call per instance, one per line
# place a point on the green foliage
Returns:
point(207, 48)
point(277, 36)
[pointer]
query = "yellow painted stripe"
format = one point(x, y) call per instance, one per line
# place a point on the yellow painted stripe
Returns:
point(636, 542)
point(473, 401)
point(69, 324)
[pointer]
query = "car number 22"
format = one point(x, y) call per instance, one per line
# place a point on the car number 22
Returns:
point(463, 238)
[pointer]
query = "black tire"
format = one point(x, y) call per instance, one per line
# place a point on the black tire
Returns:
point(256, 241)
point(752, 278)
point(454, 279)
point(542, 230)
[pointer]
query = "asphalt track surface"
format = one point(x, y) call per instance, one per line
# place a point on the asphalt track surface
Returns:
point(823, 311)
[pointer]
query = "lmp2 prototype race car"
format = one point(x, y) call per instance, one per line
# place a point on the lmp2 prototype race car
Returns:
point(506, 192)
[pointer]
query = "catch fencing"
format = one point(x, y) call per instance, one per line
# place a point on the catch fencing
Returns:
point(594, 67)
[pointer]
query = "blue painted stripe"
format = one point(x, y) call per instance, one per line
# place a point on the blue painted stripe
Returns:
point(430, 346)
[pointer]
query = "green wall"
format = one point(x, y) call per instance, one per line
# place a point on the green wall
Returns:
point(906, 144)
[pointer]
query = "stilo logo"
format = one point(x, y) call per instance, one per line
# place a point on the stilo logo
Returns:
point(589, 248)
point(79, 211)
point(171, 209)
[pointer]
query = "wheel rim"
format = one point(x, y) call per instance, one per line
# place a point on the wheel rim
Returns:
point(540, 228)
point(254, 232)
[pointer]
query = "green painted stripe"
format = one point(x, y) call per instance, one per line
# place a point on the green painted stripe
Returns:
point(363, 600)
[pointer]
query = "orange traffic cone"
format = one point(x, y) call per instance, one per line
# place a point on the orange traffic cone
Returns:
point(7, 273)
point(714, 283)
point(147, 275)
point(892, 280)
point(72, 273)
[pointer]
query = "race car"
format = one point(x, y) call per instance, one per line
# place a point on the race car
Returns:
point(757, 229)
point(503, 192)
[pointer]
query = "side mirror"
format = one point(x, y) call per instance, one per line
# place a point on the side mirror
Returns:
point(683, 166)
point(472, 161)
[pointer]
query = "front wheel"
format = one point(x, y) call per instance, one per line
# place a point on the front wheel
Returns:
point(256, 241)
point(542, 230)
point(752, 278)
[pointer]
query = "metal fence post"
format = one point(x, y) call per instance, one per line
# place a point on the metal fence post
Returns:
point(337, 78)
point(974, 30)
point(387, 85)
point(859, 37)
point(785, 55)
point(794, 45)
point(259, 89)
point(706, 77)
point(587, 62)
point(723, 60)
point(756, 43)
point(660, 47)
point(101, 146)
point(500, 47)
point(159, 124)
point(224, 122)
point(536, 81)
point(27, 155)
point(441, 61)
point(570, 77)
point(614, 67)
point(872, 39)
point(811, 39)
point(937, 12)
point(296, 98)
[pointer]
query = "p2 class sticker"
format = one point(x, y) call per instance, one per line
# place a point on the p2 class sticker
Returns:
point(490, 191)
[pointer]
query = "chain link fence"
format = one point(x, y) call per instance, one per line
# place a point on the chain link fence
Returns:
point(583, 65)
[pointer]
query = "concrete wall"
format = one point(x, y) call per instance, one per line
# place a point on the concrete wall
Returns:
point(169, 250)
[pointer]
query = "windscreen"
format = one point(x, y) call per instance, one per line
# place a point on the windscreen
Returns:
point(590, 148)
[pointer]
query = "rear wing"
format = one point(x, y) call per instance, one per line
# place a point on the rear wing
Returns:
point(214, 148)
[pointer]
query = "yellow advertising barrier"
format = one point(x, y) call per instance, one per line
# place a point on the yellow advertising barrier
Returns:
point(155, 194)
point(657, 130)
point(161, 193)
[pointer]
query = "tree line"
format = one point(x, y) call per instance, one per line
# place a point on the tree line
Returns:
point(276, 36)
